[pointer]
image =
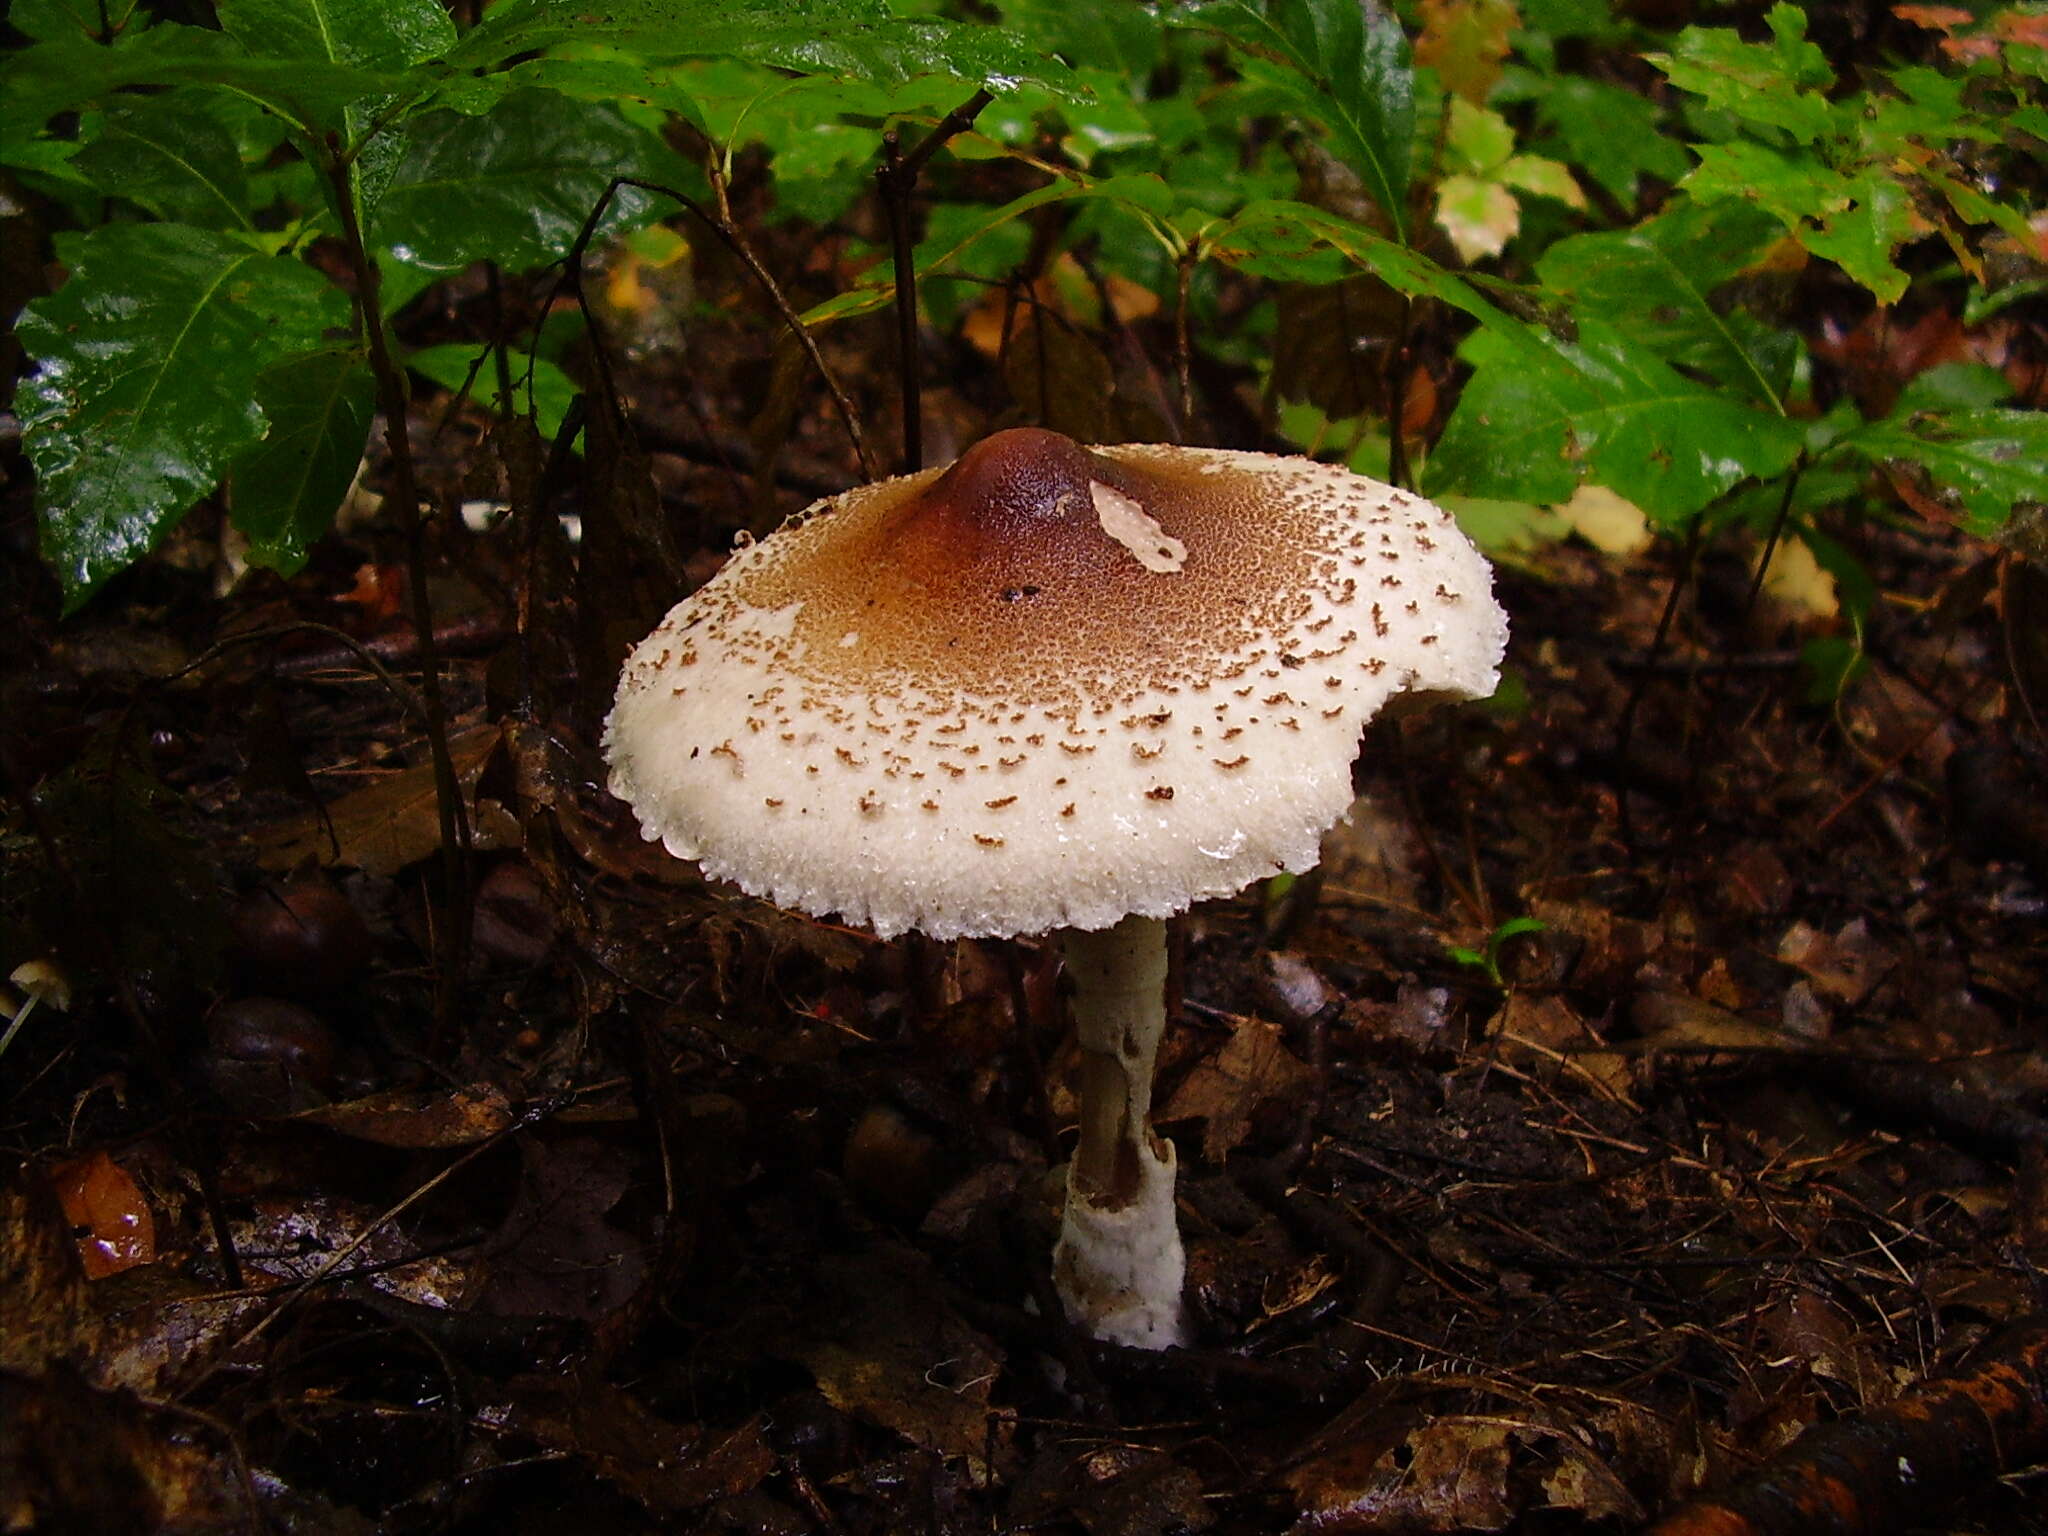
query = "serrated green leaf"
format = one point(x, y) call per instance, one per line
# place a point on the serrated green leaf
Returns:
point(1604, 408)
point(1873, 216)
point(287, 488)
point(1854, 218)
point(1346, 67)
point(1767, 84)
point(173, 156)
point(145, 390)
point(1658, 280)
point(1985, 463)
point(458, 368)
point(1613, 134)
point(515, 185)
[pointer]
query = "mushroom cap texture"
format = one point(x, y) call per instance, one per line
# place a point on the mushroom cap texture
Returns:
point(1048, 686)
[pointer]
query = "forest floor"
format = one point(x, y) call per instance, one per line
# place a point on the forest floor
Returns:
point(670, 1211)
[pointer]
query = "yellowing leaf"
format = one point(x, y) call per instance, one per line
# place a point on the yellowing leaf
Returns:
point(1546, 178)
point(1796, 579)
point(1610, 523)
point(1479, 216)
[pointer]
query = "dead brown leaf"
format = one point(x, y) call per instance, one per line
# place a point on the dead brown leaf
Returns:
point(395, 821)
point(405, 1118)
point(1252, 1070)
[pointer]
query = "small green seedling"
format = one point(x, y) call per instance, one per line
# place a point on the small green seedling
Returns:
point(1487, 959)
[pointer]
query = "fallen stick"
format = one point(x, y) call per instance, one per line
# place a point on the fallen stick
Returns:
point(1899, 1464)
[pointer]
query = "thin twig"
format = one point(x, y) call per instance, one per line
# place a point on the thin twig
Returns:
point(453, 937)
point(1625, 731)
point(896, 177)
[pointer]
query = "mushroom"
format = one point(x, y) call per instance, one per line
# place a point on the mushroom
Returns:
point(1053, 688)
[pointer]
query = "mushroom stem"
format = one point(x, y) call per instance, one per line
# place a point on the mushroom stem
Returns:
point(1118, 1265)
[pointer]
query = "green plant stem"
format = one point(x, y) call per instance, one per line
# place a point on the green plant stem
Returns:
point(451, 936)
point(1763, 564)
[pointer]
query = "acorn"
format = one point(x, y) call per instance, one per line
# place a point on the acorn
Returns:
point(303, 939)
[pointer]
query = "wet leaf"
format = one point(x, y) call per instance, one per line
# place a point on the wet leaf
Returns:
point(148, 360)
point(666, 1467)
point(1448, 1475)
point(69, 73)
point(1059, 377)
point(1344, 65)
point(1778, 84)
point(456, 367)
point(109, 1215)
point(47, 1315)
point(288, 488)
point(379, 34)
point(1543, 1035)
point(172, 156)
point(515, 185)
point(1331, 346)
point(1608, 409)
point(1987, 463)
point(1659, 280)
point(1611, 133)
point(78, 1459)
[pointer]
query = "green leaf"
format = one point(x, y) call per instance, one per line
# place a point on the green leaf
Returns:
point(1291, 241)
point(1765, 84)
point(48, 19)
point(858, 39)
point(1346, 67)
point(173, 156)
point(515, 185)
point(378, 34)
point(1608, 409)
point(461, 368)
point(1855, 219)
point(1984, 463)
point(1871, 217)
point(149, 357)
point(71, 73)
point(287, 488)
point(1611, 133)
point(1657, 281)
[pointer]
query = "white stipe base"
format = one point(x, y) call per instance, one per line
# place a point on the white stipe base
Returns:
point(1119, 1272)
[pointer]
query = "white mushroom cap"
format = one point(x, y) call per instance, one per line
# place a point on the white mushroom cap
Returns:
point(1049, 686)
